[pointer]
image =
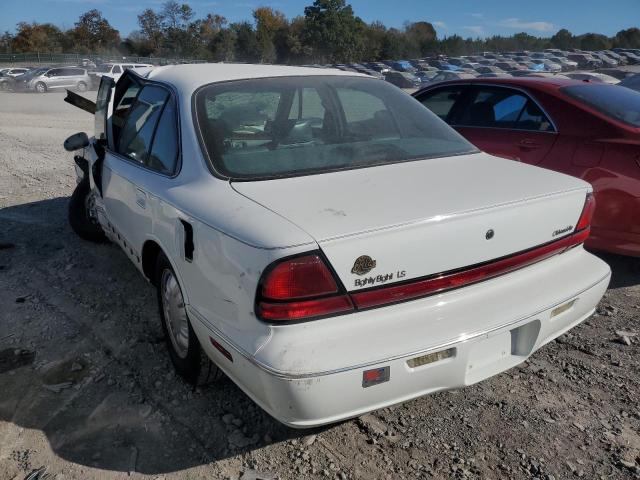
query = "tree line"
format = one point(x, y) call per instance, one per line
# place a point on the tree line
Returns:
point(328, 32)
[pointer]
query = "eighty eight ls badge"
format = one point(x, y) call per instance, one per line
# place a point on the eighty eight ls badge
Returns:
point(363, 264)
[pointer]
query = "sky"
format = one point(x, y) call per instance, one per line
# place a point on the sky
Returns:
point(474, 18)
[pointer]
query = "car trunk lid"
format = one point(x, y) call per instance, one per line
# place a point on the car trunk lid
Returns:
point(394, 223)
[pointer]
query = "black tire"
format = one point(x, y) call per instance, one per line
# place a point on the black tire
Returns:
point(79, 219)
point(81, 87)
point(196, 368)
point(41, 87)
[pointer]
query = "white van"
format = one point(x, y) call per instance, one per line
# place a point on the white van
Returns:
point(114, 70)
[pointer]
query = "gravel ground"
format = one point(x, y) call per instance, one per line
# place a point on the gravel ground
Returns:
point(87, 390)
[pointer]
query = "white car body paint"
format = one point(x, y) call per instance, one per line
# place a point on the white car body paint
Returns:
point(421, 217)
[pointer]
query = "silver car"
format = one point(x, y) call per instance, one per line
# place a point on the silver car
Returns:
point(44, 79)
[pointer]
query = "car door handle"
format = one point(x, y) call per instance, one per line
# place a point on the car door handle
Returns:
point(528, 144)
point(141, 198)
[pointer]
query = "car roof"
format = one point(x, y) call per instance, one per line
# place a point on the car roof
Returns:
point(187, 78)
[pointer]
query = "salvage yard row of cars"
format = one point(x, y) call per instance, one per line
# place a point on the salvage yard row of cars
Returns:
point(576, 64)
point(335, 246)
point(44, 79)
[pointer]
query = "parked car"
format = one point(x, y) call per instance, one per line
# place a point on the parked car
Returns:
point(114, 70)
point(403, 79)
point(443, 76)
point(593, 77)
point(584, 61)
point(588, 130)
point(13, 72)
point(632, 82)
point(316, 234)
point(42, 80)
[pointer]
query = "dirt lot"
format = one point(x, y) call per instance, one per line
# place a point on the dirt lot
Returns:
point(87, 390)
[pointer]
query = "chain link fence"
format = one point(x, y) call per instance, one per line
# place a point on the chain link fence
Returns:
point(77, 58)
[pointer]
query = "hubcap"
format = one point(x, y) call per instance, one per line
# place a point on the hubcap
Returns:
point(175, 314)
point(40, 87)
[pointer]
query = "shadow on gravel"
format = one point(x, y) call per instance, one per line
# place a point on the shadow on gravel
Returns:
point(82, 359)
point(625, 271)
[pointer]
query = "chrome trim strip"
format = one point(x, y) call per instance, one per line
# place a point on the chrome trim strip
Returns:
point(462, 339)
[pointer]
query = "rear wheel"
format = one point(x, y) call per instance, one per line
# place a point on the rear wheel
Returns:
point(185, 351)
point(41, 87)
point(82, 87)
point(82, 215)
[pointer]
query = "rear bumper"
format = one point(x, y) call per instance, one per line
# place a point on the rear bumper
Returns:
point(493, 326)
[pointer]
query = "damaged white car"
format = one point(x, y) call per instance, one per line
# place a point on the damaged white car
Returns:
point(325, 240)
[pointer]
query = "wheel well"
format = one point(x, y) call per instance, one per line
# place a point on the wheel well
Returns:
point(150, 252)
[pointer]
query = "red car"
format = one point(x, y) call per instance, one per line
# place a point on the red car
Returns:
point(588, 130)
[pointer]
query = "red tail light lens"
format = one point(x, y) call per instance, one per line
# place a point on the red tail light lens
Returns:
point(299, 277)
point(587, 213)
point(300, 288)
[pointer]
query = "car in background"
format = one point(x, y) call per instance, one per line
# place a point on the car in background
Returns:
point(403, 79)
point(618, 73)
point(45, 79)
point(593, 77)
point(402, 65)
point(632, 82)
point(488, 69)
point(340, 251)
point(496, 75)
point(426, 76)
point(114, 70)
point(444, 76)
point(548, 65)
point(14, 72)
point(585, 129)
point(584, 60)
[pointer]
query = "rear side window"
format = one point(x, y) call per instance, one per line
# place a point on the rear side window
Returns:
point(164, 152)
point(493, 107)
point(613, 101)
point(116, 69)
point(137, 133)
point(441, 101)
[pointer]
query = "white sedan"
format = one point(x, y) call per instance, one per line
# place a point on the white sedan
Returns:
point(325, 240)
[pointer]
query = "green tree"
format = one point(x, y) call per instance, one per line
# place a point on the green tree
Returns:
point(421, 37)
point(563, 39)
point(270, 24)
point(38, 37)
point(333, 32)
point(93, 33)
point(629, 38)
point(594, 41)
point(246, 42)
point(150, 24)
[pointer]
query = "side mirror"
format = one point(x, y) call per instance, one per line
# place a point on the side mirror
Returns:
point(76, 142)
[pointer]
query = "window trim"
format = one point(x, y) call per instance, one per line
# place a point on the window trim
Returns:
point(172, 94)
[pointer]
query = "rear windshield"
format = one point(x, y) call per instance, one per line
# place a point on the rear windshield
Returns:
point(273, 127)
point(619, 103)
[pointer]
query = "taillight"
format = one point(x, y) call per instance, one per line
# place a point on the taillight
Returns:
point(300, 288)
point(587, 213)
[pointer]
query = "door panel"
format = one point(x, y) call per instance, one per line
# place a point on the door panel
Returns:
point(498, 142)
point(532, 147)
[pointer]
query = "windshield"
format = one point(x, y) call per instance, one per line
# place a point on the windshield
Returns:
point(104, 68)
point(272, 127)
point(619, 103)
